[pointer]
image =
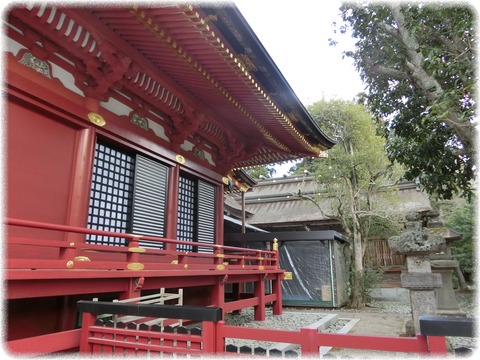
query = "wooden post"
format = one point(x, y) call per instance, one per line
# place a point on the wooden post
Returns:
point(277, 290)
point(308, 346)
point(88, 320)
point(218, 293)
point(172, 206)
point(259, 293)
point(437, 345)
point(209, 337)
point(219, 338)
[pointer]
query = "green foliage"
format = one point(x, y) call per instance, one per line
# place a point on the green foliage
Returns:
point(418, 64)
point(352, 176)
point(381, 228)
point(370, 278)
point(261, 171)
point(358, 160)
point(462, 220)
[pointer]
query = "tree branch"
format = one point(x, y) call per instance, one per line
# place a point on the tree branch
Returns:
point(384, 71)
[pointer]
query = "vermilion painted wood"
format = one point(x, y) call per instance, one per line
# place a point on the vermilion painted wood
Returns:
point(259, 293)
point(310, 340)
point(437, 344)
point(416, 344)
point(44, 344)
point(252, 254)
point(214, 335)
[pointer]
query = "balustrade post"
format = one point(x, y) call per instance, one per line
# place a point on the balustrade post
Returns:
point(259, 292)
point(309, 346)
point(277, 290)
point(88, 319)
point(183, 259)
point(437, 344)
point(209, 337)
point(219, 257)
point(133, 255)
point(68, 253)
point(275, 253)
point(219, 338)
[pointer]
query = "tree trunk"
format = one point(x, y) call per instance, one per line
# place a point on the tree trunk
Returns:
point(356, 296)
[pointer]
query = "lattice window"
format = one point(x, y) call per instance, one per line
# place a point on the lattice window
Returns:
point(196, 214)
point(186, 212)
point(111, 194)
point(129, 195)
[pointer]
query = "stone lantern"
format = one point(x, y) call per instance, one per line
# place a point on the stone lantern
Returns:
point(416, 243)
point(444, 264)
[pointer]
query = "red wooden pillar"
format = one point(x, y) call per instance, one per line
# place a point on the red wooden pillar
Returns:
point(217, 295)
point(88, 320)
point(80, 189)
point(309, 346)
point(259, 293)
point(172, 206)
point(219, 216)
point(219, 338)
point(277, 290)
point(437, 345)
point(209, 337)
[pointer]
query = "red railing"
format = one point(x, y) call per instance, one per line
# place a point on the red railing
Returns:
point(81, 255)
point(136, 339)
point(310, 340)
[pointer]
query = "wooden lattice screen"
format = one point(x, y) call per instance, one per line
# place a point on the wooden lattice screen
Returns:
point(378, 254)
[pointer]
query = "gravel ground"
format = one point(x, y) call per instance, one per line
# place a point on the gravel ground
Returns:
point(386, 318)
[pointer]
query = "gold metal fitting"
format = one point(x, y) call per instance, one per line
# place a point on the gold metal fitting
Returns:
point(180, 159)
point(185, 266)
point(220, 267)
point(96, 119)
point(288, 275)
point(81, 258)
point(137, 250)
point(135, 266)
point(69, 264)
point(275, 244)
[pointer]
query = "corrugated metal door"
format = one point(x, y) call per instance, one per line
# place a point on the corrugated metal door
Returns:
point(206, 215)
point(149, 200)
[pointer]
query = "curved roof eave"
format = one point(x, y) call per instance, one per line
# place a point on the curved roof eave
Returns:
point(240, 35)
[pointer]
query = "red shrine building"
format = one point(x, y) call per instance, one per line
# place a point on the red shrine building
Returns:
point(124, 128)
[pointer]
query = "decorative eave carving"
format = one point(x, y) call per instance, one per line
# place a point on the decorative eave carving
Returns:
point(104, 64)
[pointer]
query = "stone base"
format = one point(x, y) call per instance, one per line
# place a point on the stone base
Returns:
point(390, 294)
point(452, 313)
point(410, 328)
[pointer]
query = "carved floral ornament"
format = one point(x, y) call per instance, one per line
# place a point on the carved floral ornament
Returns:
point(36, 64)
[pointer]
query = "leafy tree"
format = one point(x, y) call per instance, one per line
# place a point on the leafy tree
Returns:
point(418, 64)
point(462, 220)
point(261, 171)
point(354, 172)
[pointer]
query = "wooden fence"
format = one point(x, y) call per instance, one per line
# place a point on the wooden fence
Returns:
point(378, 254)
point(138, 338)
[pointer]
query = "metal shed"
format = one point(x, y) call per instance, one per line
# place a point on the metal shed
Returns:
point(318, 262)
